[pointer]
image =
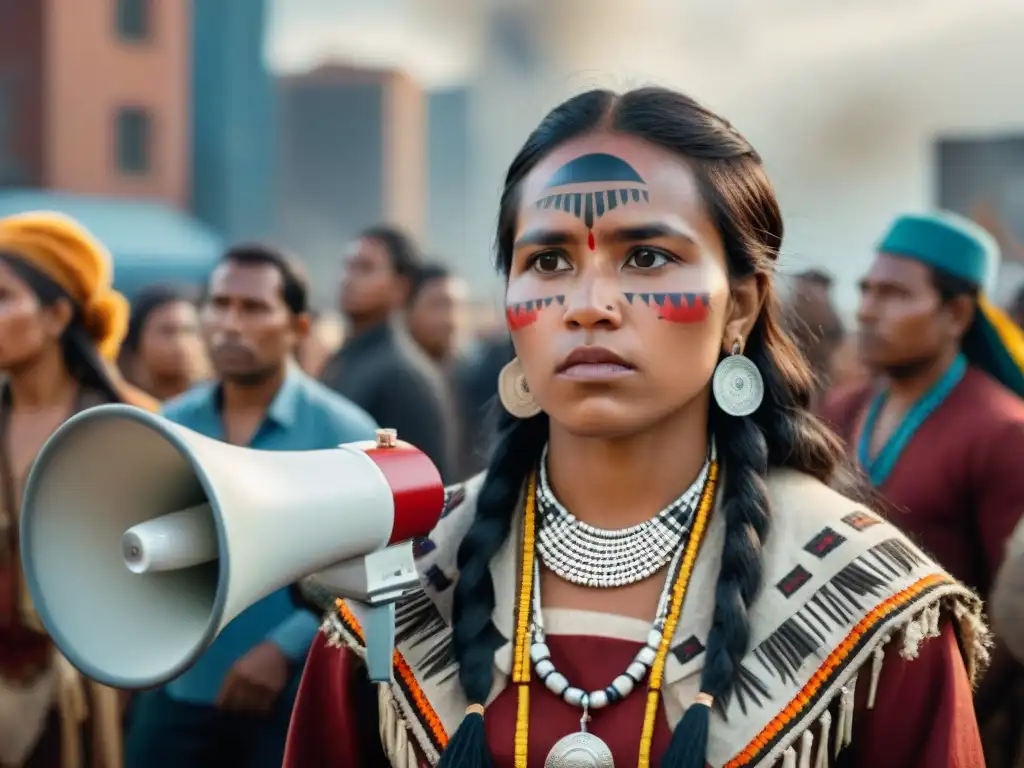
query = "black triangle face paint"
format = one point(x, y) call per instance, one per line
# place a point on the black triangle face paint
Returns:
point(591, 205)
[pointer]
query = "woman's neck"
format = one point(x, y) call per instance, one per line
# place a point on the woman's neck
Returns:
point(42, 384)
point(616, 483)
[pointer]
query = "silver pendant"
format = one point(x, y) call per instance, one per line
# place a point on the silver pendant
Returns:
point(580, 750)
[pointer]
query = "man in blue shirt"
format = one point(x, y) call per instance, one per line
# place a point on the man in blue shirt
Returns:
point(233, 706)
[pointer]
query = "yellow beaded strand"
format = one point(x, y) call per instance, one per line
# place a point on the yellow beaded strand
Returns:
point(672, 620)
point(521, 660)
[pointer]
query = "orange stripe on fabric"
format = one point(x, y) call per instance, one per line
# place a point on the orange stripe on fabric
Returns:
point(419, 700)
point(821, 675)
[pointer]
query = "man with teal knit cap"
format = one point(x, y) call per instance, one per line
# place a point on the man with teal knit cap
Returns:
point(941, 433)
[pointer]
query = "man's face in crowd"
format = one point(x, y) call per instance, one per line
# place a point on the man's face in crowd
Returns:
point(436, 315)
point(902, 319)
point(370, 286)
point(249, 329)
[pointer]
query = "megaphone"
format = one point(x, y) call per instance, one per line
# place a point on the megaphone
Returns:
point(141, 539)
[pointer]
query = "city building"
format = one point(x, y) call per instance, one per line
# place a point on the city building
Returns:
point(233, 119)
point(353, 152)
point(95, 106)
point(449, 163)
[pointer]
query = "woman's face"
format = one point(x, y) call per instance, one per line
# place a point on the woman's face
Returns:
point(618, 297)
point(171, 345)
point(26, 327)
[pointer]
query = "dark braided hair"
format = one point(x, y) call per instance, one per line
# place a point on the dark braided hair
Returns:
point(781, 433)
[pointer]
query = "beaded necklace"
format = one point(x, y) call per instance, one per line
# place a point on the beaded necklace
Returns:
point(881, 466)
point(594, 557)
point(521, 661)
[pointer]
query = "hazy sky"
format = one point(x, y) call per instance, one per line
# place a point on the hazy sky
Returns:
point(370, 32)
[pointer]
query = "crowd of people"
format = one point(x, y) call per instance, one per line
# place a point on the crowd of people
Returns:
point(841, 504)
point(243, 359)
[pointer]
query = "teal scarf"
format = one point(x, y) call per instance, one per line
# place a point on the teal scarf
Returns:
point(879, 468)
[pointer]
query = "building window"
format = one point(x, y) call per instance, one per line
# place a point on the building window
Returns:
point(134, 135)
point(9, 175)
point(133, 19)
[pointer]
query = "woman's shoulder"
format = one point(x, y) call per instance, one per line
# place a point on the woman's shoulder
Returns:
point(826, 549)
point(820, 529)
point(803, 504)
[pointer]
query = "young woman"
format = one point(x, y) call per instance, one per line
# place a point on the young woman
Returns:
point(163, 352)
point(61, 325)
point(654, 569)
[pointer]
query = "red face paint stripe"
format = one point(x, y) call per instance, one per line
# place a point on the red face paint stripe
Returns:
point(518, 317)
point(525, 313)
point(591, 242)
point(676, 307)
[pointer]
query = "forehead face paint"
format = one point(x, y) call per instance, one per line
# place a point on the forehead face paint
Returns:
point(521, 314)
point(683, 308)
point(620, 185)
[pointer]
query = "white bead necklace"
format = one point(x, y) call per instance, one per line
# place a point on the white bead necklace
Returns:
point(595, 557)
point(622, 685)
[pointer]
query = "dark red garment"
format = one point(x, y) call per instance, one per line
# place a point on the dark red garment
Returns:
point(958, 486)
point(923, 715)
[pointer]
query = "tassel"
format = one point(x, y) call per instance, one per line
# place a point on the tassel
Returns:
point(826, 727)
point(806, 748)
point(876, 671)
point(844, 713)
point(913, 634)
point(467, 747)
point(789, 758)
point(689, 745)
point(849, 697)
point(934, 619)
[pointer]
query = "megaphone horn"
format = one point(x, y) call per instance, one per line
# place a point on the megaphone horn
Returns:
point(141, 539)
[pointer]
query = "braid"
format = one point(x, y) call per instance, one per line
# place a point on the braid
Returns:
point(473, 632)
point(743, 451)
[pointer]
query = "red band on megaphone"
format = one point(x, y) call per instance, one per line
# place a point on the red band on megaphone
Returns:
point(416, 486)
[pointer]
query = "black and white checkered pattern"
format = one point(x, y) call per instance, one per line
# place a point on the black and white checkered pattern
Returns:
point(594, 557)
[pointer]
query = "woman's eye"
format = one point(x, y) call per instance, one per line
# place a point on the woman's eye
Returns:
point(550, 262)
point(647, 258)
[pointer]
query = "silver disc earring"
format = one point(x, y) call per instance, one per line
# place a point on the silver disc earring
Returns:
point(737, 384)
point(514, 391)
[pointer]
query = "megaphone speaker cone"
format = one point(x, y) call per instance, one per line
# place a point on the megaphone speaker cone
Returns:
point(142, 539)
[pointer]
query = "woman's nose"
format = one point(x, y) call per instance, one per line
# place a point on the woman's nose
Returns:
point(594, 303)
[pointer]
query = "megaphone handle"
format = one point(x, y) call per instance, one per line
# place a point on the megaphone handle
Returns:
point(379, 633)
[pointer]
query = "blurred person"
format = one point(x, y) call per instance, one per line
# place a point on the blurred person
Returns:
point(325, 337)
point(637, 238)
point(1007, 603)
point(1016, 307)
point(941, 435)
point(379, 367)
point(231, 708)
point(478, 389)
point(436, 312)
point(163, 353)
point(846, 370)
point(61, 326)
point(814, 325)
